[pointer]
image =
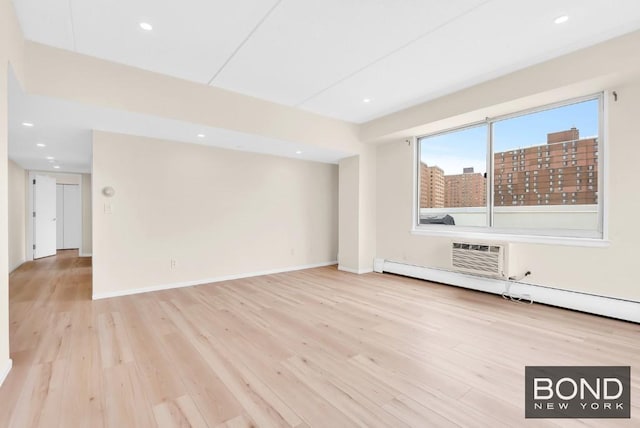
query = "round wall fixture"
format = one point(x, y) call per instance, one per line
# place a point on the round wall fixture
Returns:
point(108, 191)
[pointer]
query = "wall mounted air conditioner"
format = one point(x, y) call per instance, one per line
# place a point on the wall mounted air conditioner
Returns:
point(483, 259)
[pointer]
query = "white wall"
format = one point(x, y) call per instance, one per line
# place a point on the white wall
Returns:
point(609, 271)
point(367, 213)
point(17, 215)
point(5, 361)
point(11, 52)
point(357, 225)
point(85, 249)
point(215, 212)
point(349, 234)
point(53, 72)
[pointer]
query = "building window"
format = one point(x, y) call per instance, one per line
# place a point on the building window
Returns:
point(459, 173)
point(460, 182)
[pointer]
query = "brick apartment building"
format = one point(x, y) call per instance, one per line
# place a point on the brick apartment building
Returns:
point(564, 171)
point(459, 190)
point(432, 186)
point(468, 189)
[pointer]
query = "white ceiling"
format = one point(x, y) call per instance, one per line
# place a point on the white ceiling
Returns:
point(65, 128)
point(325, 56)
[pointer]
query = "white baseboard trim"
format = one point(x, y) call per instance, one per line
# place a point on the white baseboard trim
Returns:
point(356, 271)
point(608, 306)
point(97, 296)
point(84, 254)
point(5, 372)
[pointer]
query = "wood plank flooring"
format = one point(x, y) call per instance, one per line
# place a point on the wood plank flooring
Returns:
point(317, 348)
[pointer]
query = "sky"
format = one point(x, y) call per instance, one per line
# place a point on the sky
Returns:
point(468, 147)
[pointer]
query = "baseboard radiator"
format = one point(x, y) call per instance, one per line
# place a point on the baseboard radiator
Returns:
point(497, 282)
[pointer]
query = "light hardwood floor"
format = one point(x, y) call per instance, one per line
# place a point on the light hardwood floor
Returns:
point(315, 348)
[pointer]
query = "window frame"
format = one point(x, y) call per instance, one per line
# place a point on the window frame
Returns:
point(598, 237)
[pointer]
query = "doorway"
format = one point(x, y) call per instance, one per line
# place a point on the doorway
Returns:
point(58, 213)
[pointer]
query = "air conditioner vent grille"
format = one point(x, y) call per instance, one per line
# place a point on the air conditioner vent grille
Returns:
point(479, 259)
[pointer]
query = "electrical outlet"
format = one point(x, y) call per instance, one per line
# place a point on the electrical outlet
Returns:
point(173, 264)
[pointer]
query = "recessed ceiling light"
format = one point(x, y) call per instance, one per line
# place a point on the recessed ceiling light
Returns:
point(298, 152)
point(561, 19)
point(56, 166)
point(146, 26)
point(201, 135)
point(41, 145)
point(366, 100)
point(27, 124)
point(50, 158)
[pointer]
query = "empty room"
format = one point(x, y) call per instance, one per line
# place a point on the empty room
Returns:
point(303, 213)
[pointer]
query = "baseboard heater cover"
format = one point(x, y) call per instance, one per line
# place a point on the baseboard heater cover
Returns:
point(607, 306)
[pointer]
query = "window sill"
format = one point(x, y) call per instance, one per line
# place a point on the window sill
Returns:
point(516, 237)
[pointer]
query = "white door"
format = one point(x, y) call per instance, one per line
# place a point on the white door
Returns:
point(44, 221)
point(72, 217)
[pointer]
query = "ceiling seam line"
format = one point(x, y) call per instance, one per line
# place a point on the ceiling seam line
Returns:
point(73, 29)
point(410, 42)
point(246, 39)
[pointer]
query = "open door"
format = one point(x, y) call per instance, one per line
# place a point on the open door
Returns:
point(44, 216)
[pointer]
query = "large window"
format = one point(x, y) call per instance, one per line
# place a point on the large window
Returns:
point(536, 173)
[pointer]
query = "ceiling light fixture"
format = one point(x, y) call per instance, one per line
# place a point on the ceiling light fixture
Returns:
point(56, 166)
point(201, 135)
point(41, 145)
point(50, 158)
point(366, 100)
point(561, 19)
point(298, 152)
point(27, 124)
point(146, 26)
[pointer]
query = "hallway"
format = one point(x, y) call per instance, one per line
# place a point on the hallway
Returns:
point(50, 300)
